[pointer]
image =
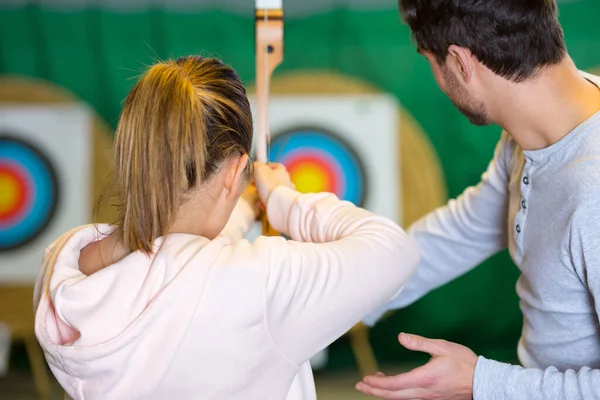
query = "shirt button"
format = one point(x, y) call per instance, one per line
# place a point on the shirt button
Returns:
point(523, 204)
point(518, 228)
point(526, 180)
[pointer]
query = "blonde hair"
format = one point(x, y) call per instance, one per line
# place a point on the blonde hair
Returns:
point(181, 120)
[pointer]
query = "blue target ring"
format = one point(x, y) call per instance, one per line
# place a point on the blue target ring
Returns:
point(28, 192)
point(319, 160)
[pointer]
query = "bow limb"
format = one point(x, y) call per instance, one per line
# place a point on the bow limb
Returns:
point(269, 54)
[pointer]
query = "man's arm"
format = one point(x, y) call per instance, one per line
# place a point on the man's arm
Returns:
point(342, 262)
point(459, 236)
point(498, 381)
point(455, 373)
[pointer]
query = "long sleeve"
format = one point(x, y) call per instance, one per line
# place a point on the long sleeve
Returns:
point(499, 381)
point(239, 222)
point(459, 236)
point(341, 263)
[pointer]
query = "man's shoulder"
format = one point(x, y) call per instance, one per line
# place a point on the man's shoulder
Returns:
point(506, 148)
point(591, 77)
point(580, 180)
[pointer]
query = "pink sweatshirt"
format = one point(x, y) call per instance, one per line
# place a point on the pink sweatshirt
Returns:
point(220, 319)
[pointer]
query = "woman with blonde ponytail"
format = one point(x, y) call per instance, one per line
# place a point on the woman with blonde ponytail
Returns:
point(171, 302)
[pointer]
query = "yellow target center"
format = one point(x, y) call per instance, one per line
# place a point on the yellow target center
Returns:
point(310, 179)
point(9, 195)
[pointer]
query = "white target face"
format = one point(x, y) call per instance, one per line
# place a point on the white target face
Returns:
point(346, 145)
point(45, 174)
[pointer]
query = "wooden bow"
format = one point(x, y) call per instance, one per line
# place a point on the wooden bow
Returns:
point(269, 54)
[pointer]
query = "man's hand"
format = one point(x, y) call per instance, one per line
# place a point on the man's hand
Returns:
point(447, 376)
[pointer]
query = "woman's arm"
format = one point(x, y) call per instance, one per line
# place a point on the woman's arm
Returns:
point(243, 216)
point(341, 263)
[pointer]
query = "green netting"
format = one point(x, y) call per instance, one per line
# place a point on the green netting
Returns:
point(96, 54)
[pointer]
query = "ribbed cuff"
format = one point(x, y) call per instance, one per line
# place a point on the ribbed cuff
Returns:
point(279, 204)
point(488, 375)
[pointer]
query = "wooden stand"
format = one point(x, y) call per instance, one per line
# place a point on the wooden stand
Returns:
point(16, 311)
point(361, 347)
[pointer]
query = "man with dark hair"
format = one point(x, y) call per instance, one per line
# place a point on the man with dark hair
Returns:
point(505, 62)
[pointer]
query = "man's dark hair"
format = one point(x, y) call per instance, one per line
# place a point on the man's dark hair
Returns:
point(513, 38)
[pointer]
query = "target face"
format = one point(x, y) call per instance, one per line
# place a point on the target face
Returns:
point(28, 192)
point(319, 161)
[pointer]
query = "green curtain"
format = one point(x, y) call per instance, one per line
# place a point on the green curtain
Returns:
point(96, 53)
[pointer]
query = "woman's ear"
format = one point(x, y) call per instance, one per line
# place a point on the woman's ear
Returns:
point(235, 179)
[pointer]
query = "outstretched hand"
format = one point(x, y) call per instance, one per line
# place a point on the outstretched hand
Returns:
point(447, 376)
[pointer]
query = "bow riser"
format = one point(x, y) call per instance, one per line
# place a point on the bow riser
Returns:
point(269, 54)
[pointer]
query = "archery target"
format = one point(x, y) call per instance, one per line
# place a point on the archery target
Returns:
point(343, 144)
point(28, 192)
point(45, 174)
point(320, 161)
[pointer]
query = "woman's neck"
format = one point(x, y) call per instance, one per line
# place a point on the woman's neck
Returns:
point(202, 215)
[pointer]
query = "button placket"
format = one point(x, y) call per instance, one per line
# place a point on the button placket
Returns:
point(522, 213)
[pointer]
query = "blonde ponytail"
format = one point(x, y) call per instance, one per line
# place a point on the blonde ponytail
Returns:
point(179, 122)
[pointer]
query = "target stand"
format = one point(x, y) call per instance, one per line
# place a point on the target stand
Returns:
point(54, 163)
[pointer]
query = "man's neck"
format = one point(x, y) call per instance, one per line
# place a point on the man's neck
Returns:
point(539, 112)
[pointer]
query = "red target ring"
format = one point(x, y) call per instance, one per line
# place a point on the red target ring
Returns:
point(29, 191)
point(316, 162)
point(321, 161)
point(17, 190)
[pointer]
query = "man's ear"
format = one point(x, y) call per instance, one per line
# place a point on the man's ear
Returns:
point(462, 62)
point(237, 173)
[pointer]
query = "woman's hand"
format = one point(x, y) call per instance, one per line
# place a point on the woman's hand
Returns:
point(267, 177)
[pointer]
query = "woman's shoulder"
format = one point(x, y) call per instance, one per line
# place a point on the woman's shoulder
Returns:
point(87, 232)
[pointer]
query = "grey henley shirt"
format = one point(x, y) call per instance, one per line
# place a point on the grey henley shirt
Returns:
point(544, 205)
